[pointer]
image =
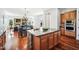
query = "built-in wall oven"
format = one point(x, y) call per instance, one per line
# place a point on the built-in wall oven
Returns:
point(70, 25)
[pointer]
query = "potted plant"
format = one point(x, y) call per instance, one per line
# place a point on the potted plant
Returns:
point(10, 23)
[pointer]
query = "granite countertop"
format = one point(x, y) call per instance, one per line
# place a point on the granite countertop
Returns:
point(41, 32)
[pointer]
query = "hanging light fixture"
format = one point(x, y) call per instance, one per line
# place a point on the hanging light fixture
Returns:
point(25, 15)
point(25, 12)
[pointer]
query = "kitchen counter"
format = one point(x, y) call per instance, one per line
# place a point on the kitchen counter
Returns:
point(43, 39)
point(41, 32)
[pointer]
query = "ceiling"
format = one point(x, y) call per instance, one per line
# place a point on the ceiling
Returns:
point(29, 11)
point(21, 11)
point(62, 10)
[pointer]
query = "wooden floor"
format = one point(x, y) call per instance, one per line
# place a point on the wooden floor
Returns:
point(68, 43)
point(22, 42)
point(15, 42)
point(22, 45)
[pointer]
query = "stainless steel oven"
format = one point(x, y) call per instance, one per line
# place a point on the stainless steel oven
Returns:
point(70, 25)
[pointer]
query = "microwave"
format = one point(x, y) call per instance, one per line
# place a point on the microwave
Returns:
point(70, 25)
point(70, 22)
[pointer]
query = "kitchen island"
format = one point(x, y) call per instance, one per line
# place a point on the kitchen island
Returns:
point(43, 39)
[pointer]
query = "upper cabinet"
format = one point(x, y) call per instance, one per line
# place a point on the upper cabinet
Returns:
point(71, 15)
point(66, 15)
point(63, 18)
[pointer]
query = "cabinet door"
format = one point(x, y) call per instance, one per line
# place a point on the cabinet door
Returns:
point(72, 15)
point(59, 36)
point(67, 16)
point(62, 18)
point(62, 31)
point(36, 43)
point(44, 42)
point(51, 41)
point(55, 38)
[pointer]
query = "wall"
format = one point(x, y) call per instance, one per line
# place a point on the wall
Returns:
point(49, 21)
point(37, 20)
point(77, 25)
point(54, 18)
point(6, 21)
point(58, 19)
point(51, 18)
point(63, 10)
point(1, 21)
point(35, 17)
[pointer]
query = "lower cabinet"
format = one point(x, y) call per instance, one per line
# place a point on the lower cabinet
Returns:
point(51, 41)
point(36, 43)
point(46, 41)
point(55, 38)
point(62, 31)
